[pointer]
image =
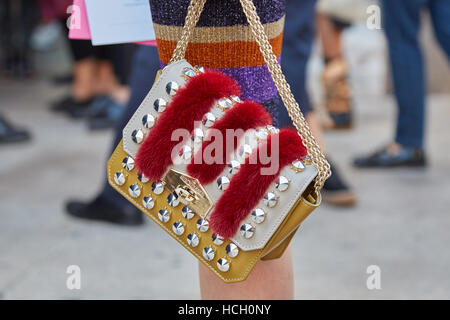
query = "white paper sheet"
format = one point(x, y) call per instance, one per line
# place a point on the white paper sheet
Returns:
point(119, 21)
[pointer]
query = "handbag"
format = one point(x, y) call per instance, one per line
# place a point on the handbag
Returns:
point(257, 214)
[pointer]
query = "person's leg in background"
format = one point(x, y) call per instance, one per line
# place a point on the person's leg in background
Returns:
point(335, 74)
point(109, 205)
point(18, 21)
point(114, 65)
point(440, 16)
point(402, 24)
point(83, 87)
point(299, 34)
point(10, 133)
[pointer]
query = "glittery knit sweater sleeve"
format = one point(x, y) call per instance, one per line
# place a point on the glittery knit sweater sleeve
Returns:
point(223, 41)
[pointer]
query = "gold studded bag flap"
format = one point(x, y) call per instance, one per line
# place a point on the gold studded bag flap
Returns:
point(211, 169)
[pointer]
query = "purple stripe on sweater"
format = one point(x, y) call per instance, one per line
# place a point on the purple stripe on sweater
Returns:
point(216, 12)
point(256, 83)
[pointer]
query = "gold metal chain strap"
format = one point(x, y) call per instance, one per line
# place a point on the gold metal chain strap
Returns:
point(193, 14)
point(194, 10)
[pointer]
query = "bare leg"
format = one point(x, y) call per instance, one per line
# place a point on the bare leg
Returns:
point(316, 130)
point(330, 37)
point(334, 76)
point(85, 79)
point(108, 84)
point(271, 280)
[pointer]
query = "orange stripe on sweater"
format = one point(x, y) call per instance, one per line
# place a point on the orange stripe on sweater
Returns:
point(220, 55)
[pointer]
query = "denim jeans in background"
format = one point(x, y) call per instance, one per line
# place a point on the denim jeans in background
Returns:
point(145, 66)
point(402, 24)
point(299, 33)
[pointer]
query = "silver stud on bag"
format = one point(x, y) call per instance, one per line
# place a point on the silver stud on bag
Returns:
point(223, 264)
point(258, 215)
point(128, 163)
point(307, 160)
point(119, 178)
point(224, 104)
point(178, 228)
point(245, 151)
point(164, 215)
point(160, 105)
point(134, 190)
point(186, 152)
point(208, 119)
point(223, 182)
point(202, 225)
point(198, 135)
point(157, 187)
point(142, 178)
point(193, 239)
point(200, 69)
point(235, 99)
point(270, 199)
point(232, 250)
point(282, 183)
point(298, 166)
point(208, 253)
point(261, 134)
point(137, 136)
point(172, 88)
point(189, 72)
point(233, 166)
point(187, 213)
point(247, 230)
point(148, 121)
point(172, 200)
point(216, 239)
point(148, 202)
point(272, 129)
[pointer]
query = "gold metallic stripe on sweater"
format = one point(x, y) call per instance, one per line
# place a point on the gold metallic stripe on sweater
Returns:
point(218, 34)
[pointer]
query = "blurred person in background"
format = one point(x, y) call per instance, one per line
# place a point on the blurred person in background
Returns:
point(109, 205)
point(333, 16)
point(402, 25)
point(99, 87)
point(299, 35)
point(99, 90)
point(17, 20)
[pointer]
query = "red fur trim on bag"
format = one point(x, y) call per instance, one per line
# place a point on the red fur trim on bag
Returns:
point(248, 186)
point(245, 115)
point(188, 105)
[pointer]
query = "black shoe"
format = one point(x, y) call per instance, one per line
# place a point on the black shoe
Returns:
point(104, 113)
point(11, 134)
point(341, 121)
point(81, 111)
point(101, 210)
point(336, 192)
point(63, 79)
point(71, 106)
point(384, 158)
point(62, 104)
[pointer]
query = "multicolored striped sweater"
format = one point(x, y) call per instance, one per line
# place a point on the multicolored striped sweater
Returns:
point(223, 41)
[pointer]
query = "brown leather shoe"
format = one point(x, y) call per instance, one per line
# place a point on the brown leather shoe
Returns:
point(336, 192)
point(338, 95)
